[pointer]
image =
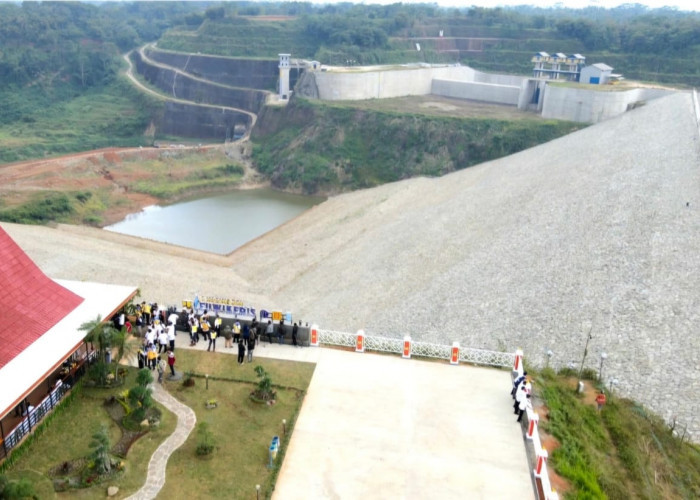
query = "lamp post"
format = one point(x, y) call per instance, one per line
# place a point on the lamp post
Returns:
point(257, 491)
point(284, 426)
point(603, 357)
point(613, 383)
point(549, 356)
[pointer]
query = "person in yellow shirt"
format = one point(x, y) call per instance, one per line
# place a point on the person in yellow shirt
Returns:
point(194, 330)
point(236, 332)
point(146, 309)
point(205, 326)
point(212, 340)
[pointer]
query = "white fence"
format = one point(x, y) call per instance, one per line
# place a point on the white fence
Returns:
point(425, 349)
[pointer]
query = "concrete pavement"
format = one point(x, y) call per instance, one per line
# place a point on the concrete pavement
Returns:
point(376, 426)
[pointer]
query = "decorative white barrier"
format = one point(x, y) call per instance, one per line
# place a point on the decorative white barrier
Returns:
point(543, 485)
point(453, 353)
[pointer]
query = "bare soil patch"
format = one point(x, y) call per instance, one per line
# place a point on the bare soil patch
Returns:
point(113, 174)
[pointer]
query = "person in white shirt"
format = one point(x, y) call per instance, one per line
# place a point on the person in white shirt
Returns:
point(162, 341)
point(150, 336)
point(171, 336)
point(173, 318)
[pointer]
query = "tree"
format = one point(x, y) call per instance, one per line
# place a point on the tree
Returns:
point(102, 334)
point(100, 453)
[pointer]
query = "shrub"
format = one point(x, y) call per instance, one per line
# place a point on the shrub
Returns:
point(11, 490)
point(264, 390)
point(206, 445)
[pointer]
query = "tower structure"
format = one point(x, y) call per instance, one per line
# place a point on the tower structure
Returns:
point(284, 76)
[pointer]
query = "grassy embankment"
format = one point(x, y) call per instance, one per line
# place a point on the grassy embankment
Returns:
point(45, 122)
point(319, 147)
point(622, 452)
point(241, 429)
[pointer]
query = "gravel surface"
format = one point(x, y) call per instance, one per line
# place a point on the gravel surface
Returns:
point(597, 230)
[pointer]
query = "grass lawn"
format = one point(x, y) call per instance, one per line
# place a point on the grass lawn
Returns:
point(621, 452)
point(69, 435)
point(242, 429)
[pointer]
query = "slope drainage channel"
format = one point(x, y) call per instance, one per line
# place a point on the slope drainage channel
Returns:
point(217, 224)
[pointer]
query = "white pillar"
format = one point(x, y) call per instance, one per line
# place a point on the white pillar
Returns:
point(284, 76)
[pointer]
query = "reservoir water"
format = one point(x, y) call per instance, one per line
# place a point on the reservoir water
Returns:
point(217, 224)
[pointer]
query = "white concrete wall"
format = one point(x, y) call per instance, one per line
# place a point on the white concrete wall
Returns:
point(381, 84)
point(495, 78)
point(592, 106)
point(487, 92)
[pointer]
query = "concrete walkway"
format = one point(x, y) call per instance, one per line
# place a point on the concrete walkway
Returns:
point(159, 460)
point(375, 426)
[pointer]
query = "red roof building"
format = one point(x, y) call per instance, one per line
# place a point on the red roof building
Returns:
point(41, 346)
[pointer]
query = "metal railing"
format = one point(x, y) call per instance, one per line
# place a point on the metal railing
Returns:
point(33, 417)
point(425, 349)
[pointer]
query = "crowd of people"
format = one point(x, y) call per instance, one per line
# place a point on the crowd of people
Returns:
point(158, 327)
point(159, 338)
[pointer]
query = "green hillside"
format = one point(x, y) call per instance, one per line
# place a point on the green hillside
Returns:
point(313, 146)
point(622, 452)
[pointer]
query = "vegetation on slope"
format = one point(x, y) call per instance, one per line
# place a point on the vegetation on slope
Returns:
point(642, 43)
point(314, 147)
point(622, 452)
point(114, 178)
point(56, 120)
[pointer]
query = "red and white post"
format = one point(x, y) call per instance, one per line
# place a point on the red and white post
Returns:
point(541, 466)
point(518, 363)
point(454, 353)
point(313, 336)
point(534, 420)
point(360, 341)
point(406, 347)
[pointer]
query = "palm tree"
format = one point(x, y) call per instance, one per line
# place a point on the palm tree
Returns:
point(100, 453)
point(124, 346)
point(102, 334)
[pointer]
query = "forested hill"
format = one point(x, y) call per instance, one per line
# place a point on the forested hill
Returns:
point(59, 61)
point(649, 44)
point(78, 43)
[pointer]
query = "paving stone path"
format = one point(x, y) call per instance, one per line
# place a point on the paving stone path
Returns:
point(159, 460)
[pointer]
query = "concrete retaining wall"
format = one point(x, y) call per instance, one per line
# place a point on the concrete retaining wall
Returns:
point(453, 81)
point(593, 106)
point(487, 92)
point(201, 122)
point(381, 84)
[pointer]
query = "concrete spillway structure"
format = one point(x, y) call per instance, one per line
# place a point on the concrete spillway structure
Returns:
point(582, 104)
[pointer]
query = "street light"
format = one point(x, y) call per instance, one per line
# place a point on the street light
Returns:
point(549, 356)
point(603, 356)
point(612, 383)
point(257, 491)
